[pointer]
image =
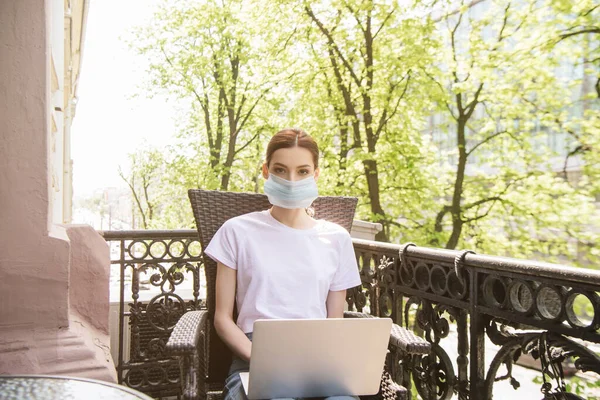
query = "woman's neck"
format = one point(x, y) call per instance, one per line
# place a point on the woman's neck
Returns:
point(296, 218)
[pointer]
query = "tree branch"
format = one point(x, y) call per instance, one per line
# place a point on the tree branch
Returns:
point(396, 223)
point(384, 119)
point(487, 139)
point(577, 150)
point(480, 202)
point(504, 23)
point(493, 199)
point(471, 106)
point(443, 91)
point(241, 126)
point(347, 96)
point(579, 32)
point(203, 103)
point(468, 220)
point(242, 102)
point(247, 143)
point(385, 20)
point(591, 10)
point(332, 43)
point(135, 196)
point(145, 185)
point(453, 44)
point(440, 217)
point(355, 15)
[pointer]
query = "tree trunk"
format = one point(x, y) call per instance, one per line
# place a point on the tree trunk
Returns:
point(455, 208)
point(230, 155)
point(371, 171)
point(372, 176)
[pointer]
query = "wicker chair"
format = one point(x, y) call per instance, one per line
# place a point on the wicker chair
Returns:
point(204, 358)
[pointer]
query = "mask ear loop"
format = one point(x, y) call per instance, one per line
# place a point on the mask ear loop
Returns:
point(310, 211)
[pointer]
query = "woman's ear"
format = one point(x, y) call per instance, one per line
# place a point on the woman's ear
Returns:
point(265, 171)
point(317, 173)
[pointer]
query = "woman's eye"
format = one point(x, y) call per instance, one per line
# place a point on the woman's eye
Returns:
point(279, 170)
point(304, 172)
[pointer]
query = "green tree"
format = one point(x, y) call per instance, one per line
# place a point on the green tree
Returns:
point(575, 37)
point(214, 57)
point(492, 80)
point(144, 179)
point(357, 95)
point(438, 116)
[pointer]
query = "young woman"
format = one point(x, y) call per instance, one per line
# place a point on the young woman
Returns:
point(280, 263)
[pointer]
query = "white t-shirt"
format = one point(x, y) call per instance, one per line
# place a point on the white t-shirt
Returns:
point(282, 272)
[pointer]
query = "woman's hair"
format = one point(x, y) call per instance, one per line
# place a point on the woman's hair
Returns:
point(292, 137)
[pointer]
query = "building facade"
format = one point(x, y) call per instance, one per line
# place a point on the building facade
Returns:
point(53, 277)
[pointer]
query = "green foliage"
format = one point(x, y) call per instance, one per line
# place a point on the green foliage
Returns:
point(359, 85)
point(226, 69)
point(455, 124)
point(575, 36)
point(144, 178)
point(498, 109)
point(584, 387)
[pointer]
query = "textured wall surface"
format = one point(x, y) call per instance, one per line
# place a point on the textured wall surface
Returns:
point(89, 275)
point(34, 255)
point(40, 332)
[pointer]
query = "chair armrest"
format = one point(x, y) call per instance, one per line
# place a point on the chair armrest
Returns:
point(187, 331)
point(188, 342)
point(408, 342)
point(400, 337)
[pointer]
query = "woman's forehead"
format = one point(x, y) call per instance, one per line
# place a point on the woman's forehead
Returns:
point(293, 157)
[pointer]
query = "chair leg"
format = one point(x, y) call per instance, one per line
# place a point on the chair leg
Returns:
point(189, 376)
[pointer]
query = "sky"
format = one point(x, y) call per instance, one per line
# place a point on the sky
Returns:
point(109, 122)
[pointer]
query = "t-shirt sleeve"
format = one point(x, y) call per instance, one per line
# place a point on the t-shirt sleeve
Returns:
point(223, 247)
point(347, 275)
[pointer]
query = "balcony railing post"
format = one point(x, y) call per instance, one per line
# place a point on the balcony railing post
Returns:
point(121, 309)
point(462, 360)
point(477, 336)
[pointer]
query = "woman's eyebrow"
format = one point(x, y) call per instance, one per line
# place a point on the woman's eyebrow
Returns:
point(285, 166)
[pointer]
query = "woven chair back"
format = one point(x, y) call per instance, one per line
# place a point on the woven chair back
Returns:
point(211, 209)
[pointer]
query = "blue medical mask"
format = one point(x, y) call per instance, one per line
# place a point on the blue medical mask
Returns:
point(291, 194)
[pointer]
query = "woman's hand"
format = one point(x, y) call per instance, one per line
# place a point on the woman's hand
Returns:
point(225, 326)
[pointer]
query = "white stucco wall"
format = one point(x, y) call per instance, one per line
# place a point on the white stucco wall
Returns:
point(33, 253)
point(56, 134)
point(43, 271)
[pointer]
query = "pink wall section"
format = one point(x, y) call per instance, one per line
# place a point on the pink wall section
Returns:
point(54, 279)
point(89, 275)
point(32, 259)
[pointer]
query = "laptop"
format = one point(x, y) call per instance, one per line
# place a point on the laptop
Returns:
point(316, 357)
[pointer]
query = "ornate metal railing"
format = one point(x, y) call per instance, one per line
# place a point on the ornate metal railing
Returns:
point(522, 307)
point(159, 279)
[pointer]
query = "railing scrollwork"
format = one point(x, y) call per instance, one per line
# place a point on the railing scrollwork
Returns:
point(159, 264)
point(459, 301)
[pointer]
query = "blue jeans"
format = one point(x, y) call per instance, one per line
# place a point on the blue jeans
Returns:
point(234, 389)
